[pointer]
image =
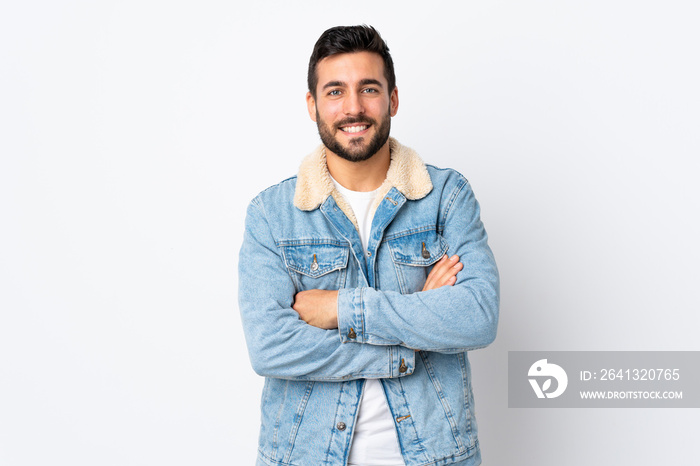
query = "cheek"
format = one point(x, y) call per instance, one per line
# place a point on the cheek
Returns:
point(379, 108)
point(330, 111)
point(328, 116)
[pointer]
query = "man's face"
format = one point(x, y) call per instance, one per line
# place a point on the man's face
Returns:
point(353, 106)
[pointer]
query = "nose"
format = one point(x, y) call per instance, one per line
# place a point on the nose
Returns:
point(352, 105)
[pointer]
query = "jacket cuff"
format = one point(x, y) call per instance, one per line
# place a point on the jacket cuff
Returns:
point(404, 361)
point(351, 319)
point(351, 325)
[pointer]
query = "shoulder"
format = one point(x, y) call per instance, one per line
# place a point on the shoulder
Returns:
point(446, 180)
point(277, 194)
point(454, 192)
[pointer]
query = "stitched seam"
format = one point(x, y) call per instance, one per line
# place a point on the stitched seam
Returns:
point(287, 180)
point(446, 408)
point(399, 274)
point(466, 453)
point(278, 419)
point(412, 231)
point(299, 415)
point(333, 434)
point(453, 198)
point(390, 349)
point(310, 242)
point(340, 262)
point(269, 460)
point(421, 447)
point(362, 314)
point(468, 401)
point(443, 249)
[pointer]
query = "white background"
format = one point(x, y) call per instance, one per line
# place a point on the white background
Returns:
point(134, 133)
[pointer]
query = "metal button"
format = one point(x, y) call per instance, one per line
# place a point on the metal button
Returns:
point(369, 253)
point(314, 264)
point(402, 367)
point(424, 252)
point(351, 333)
point(341, 426)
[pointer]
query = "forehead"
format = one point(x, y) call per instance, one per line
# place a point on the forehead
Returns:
point(351, 68)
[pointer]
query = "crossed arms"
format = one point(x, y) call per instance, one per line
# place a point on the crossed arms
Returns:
point(320, 307)
point(287, 332)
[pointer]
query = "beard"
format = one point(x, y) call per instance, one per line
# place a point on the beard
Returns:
point(357, 150)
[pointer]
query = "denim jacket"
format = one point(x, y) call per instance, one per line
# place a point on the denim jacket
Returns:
point(300, 234)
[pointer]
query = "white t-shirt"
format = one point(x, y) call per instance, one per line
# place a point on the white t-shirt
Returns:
point(374, 441)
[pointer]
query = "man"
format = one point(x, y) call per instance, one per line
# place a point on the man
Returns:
point(352, 309)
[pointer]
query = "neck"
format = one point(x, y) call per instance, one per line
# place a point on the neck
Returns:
point(364, 176)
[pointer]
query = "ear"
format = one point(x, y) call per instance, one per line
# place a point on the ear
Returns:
point(311, 106)
point(394, 102)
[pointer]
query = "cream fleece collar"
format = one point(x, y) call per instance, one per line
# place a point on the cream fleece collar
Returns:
point(407, 173)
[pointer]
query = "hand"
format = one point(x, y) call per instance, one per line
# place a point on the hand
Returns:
point(318, 307)
point(444, 273)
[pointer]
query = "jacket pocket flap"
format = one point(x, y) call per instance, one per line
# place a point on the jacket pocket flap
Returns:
point(418, 249)
point(315, 260)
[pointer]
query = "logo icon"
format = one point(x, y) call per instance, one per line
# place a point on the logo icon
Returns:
point(542, 369)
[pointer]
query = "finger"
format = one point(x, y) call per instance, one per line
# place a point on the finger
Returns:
point(449, 274)
point(450, 277)
point(446, 275)
point(442, 271)
point(441, 266)
point(445, 268)
point(434, 273)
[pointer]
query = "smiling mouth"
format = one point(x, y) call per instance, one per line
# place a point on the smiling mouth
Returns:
point(354, 129)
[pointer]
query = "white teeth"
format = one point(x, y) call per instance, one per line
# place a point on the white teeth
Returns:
point(354, 129)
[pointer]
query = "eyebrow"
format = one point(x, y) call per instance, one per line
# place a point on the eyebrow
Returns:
point(363, 82)
point(366, 82)
point(334, 84)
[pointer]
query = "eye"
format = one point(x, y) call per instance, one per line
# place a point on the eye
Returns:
point(334, 92)
point(369, 90)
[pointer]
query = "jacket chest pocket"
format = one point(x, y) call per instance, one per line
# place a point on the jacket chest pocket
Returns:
point(321, 266)
point(413, 256)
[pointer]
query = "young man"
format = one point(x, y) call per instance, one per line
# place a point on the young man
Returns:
point(352, 308)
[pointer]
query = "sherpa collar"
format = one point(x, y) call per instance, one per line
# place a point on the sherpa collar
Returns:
point(407, 173)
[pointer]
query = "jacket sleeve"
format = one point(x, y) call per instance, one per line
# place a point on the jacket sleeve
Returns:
point(280, 344)
point(448, 319)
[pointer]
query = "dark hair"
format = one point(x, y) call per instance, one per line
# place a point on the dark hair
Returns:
point(348, 39)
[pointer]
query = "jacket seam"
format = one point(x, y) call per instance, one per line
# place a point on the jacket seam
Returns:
point(444, 247)
point(261, 207)
point(466, 453)
point(447, 409)
point(269, 460)
point(410, 232)
point(453, 199)
point(362, 315)
point(301, 409)
point(284, 181)
point(467, 389)
point(419, 440)
point(310, 242)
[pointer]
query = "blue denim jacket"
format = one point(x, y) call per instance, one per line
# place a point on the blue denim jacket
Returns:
point(301, 234)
